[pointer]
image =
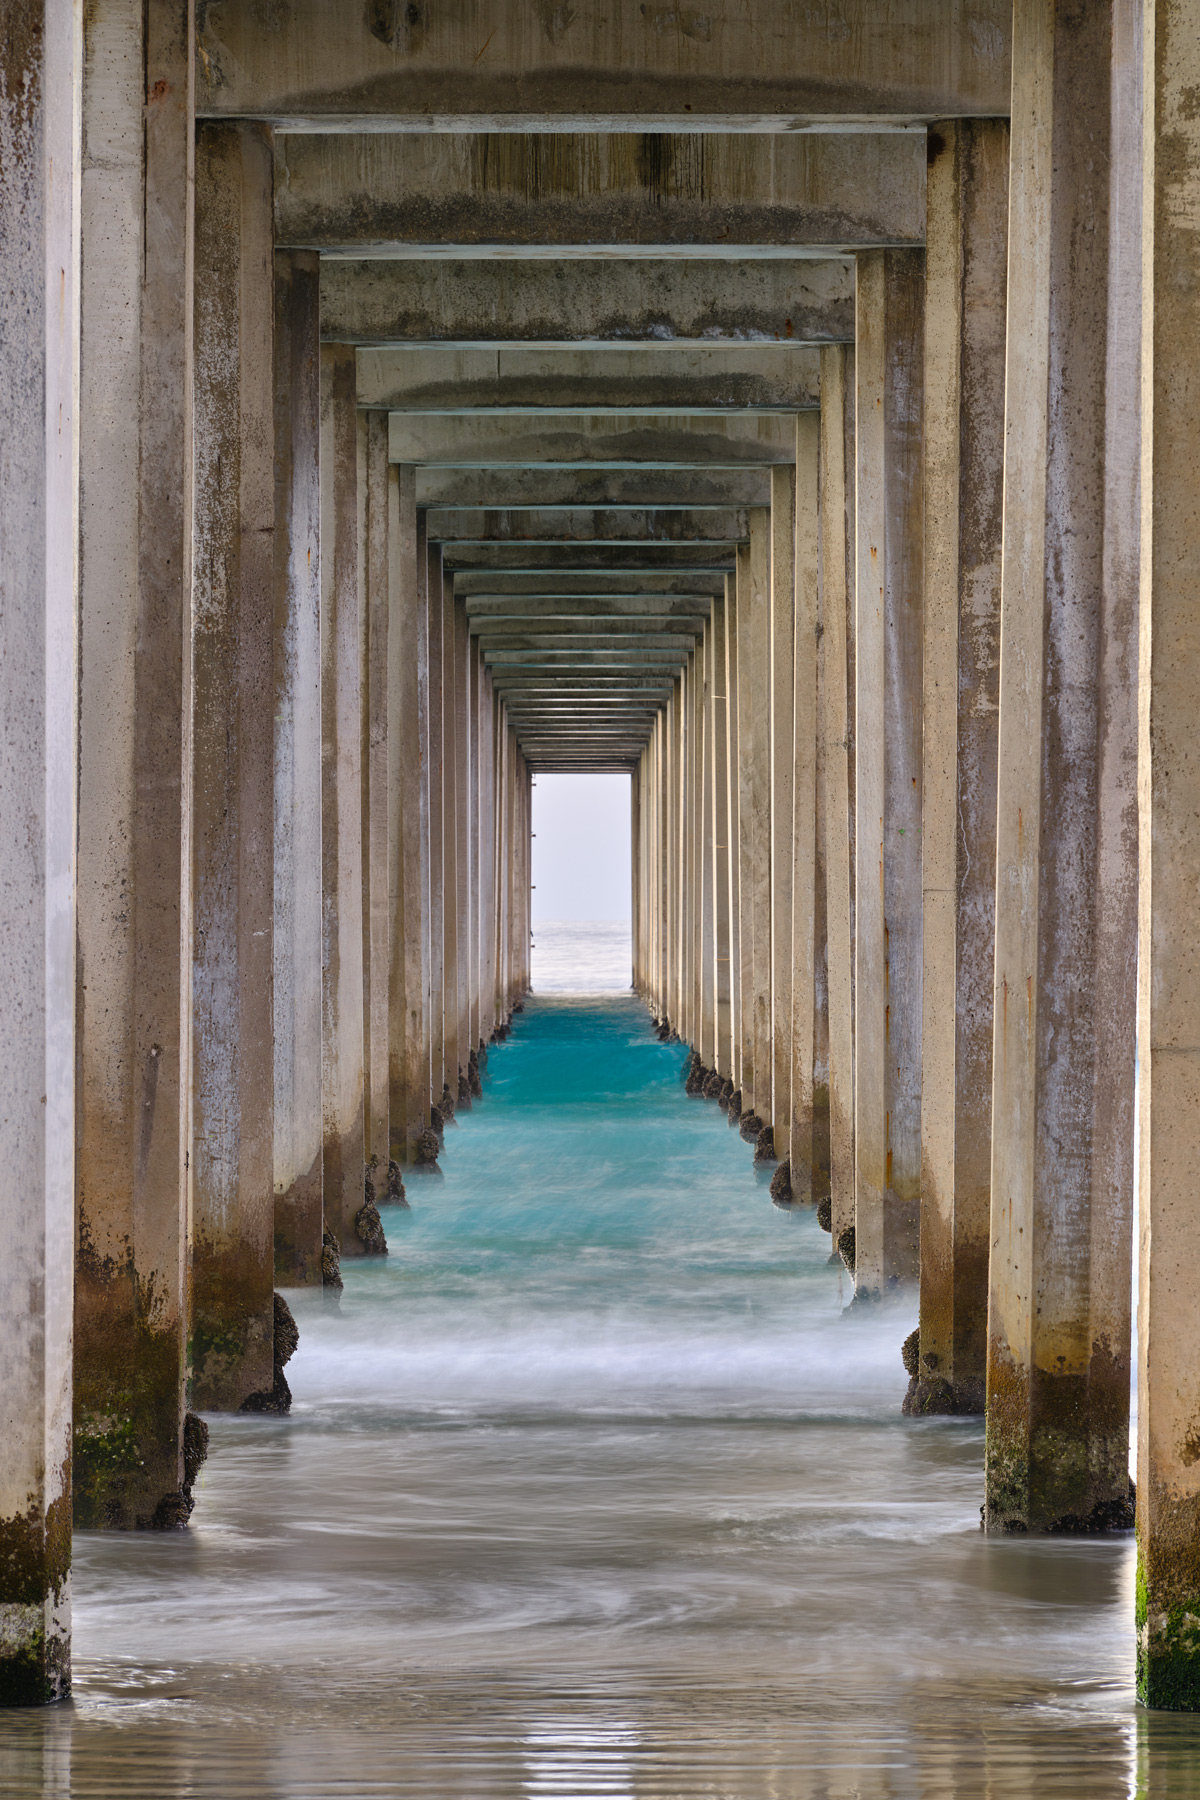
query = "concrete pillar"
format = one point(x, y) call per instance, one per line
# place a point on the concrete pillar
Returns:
point(706, 972)
point(374, 578)
point(781, 751)
point(342, 1074)
point(754, 811)
point(134, 913)
point(487, 853)
point(1065, 972)
point(435, 604)
point(233, 762)
point(475, 722)
point(806, 1122)
point(40, 72)
point(718, 827)
point(887, 1087)
point(1168, 1473)
point(733, 811)
point(462, 835)
point(964, 469)
point(838, 529)
point(408, 816)
point(453, 871)
point(299, 1217)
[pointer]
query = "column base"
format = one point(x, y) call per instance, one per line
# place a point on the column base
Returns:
point(35, 1650)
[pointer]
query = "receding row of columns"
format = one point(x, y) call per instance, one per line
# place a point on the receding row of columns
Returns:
point(891, 900)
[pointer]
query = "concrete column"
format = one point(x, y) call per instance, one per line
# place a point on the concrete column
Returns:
point(754, 812)
point(964, 469)
point(887, 1088)
point(1168, 1484)
point(134, 912)
point(408, 816)
point(374, 575)
point(782, 753)
point(233, 1059)
point(475, 720)
point(837, 727)
point(462, 832)
point(1065, 972)
point(706, 978)
point(717, 826)
point(435, 603)
point(40, 72)
point(454, 873)
point(488, 821)
point(733, 765)
point(806, 1121)
point(342, 1073)
point(296, 961)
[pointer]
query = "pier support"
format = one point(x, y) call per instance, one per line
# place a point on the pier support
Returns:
point(837, 722)
point(1066, 961)
point(887, 1085)
point(233, 759)
point(342, 1052)
point(1168, 1456)
point(299, 1217)
point(134, 910)
point(40, 70)
point(964, 468)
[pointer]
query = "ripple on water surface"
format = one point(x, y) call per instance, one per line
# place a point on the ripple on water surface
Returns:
point(591, 1488)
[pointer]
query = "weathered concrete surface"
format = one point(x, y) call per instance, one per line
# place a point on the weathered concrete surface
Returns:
point(437, 868)
point(1168, 1497)
point(453, 873)
point(966, 267)
point(388, 193)
point(719, 828)
point(531, 559)
point(888, 604)
point(754, 811)
point(40, 72)
point(133, 924)
point(802, 1128)
point(474, 67)
point(517, 300)
point(588, 441)
point(375, 652)
point(650, 379)
point(636, 491)
point(342, 1074)
point(781, 752)
point(583, 582)
point(408, 809)
point(299, 1217)
point(733, 763)
point(465, 532)
point(233, 781)
point(837, 677)
point(1065, 980)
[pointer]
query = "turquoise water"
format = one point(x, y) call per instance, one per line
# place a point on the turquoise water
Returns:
point(592, 1488)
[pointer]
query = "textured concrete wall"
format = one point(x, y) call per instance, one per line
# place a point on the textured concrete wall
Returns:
point(40, 70)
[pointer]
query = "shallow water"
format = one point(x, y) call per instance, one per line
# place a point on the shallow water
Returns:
point(592, 1489)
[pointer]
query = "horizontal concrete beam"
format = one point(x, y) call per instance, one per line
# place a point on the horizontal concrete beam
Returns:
point(688, 379)
point(507, 65)
point(525, 559)
point(561, 584)
point(662, 440)
point(689, 612)
point(589, 659)
point(581, 525)
point(639, 491)
point(565, 643)
point(669, 300)
point(385, 194)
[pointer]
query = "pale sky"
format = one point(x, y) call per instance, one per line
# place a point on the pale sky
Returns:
point(581, 856)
